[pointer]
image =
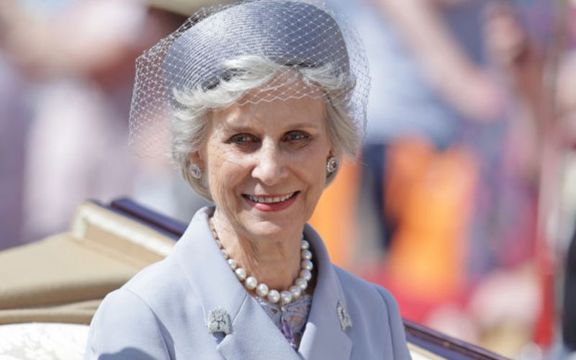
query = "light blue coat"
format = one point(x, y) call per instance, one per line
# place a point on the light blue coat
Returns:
point(162, 313)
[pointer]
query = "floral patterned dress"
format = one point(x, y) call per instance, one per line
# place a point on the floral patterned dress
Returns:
point(290, 319)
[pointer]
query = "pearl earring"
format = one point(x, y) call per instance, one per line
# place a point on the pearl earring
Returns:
point(195, 171)
point(331, 165)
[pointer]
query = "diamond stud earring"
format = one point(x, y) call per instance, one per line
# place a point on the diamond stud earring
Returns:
point(331, 165)
point(196, 171)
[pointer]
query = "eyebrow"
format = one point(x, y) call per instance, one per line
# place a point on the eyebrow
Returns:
point(305, 125)
point(243, 128)
point(238, 128)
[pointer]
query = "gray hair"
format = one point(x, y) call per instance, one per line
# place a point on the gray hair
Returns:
point(190, 122)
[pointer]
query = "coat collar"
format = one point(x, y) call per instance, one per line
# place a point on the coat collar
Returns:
point(253, 334)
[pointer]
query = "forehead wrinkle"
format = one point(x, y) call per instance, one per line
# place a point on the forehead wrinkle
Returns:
point(240, 122)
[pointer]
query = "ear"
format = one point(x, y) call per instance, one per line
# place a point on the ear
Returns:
point(197, 158)
point(333, 153)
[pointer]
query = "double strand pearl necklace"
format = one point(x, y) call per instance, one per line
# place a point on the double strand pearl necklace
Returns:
point(262, 290)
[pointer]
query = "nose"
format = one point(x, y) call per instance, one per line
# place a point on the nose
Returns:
point(269, 165)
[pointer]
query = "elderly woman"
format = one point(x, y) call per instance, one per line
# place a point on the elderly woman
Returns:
point(264, 97)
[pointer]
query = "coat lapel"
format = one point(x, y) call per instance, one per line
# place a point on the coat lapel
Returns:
point(325, 336)
point(253, 335)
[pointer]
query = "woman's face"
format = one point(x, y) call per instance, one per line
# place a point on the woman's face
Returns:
point(266, 164)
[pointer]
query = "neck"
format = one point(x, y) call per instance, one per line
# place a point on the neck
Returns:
point(274, 260)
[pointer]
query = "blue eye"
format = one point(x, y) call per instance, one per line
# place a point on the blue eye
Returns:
point(296, 136)
point(243, 139)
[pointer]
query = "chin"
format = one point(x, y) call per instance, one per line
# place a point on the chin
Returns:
point(274, 227)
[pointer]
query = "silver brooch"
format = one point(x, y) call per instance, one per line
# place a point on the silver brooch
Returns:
point(219, 321)
point(345, 320)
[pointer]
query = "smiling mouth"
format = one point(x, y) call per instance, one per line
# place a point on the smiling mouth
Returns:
point(270, 199)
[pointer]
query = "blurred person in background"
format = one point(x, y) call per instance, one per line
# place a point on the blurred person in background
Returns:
point(564, 211)
point(81, 56)
point(15, 117)
point(421, 100)
point(434, 138)
point(567, 106)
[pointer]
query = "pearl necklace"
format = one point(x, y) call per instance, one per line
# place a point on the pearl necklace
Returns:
point(262, 290)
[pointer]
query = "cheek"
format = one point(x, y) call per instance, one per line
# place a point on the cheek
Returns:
point(315, 161)
point(224, 176)
point(313, 169)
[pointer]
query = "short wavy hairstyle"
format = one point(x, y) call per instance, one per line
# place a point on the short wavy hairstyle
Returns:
point(190, 122)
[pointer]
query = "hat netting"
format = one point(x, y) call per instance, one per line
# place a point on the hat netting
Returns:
point(196, 57)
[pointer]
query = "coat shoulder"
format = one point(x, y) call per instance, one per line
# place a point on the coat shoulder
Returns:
point(114, 333)
point(355, 286)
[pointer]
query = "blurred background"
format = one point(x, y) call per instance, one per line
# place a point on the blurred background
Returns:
point(462, 203)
